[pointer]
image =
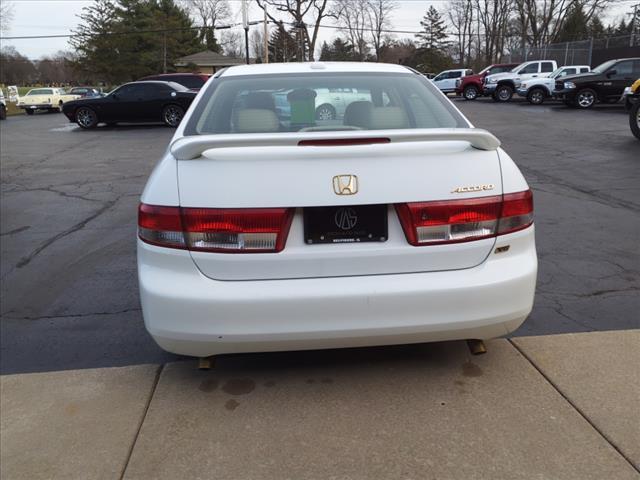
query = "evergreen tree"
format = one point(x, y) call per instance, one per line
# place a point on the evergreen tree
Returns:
point(596, 28)
point(122, 40)
point(434, 31)
point(575, 25)
point(282, 46)
point(339, 51)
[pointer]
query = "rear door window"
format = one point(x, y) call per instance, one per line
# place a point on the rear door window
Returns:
point(321, 102)
point(547, 67)
point(532, 68)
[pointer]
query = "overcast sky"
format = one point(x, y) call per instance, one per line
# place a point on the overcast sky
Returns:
point(58, 17)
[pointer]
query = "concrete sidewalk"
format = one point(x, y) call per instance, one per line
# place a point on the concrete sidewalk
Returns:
point(555, 407)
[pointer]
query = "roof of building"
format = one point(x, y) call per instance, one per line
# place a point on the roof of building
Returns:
point(208, 59)
point(307, 67)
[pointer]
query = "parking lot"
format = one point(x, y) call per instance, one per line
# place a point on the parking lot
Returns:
point(68, 221)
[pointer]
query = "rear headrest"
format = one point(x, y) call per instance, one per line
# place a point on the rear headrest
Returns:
point(260, 100)
point(358, 114)
point(388, 117)
point(256, 120)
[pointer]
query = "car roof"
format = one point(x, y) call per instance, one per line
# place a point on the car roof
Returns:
point(188, 74)
point(313, 67)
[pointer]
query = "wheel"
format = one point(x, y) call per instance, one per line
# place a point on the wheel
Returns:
point(586, 98)
point(86, 117)
point(28, 112)
point(3, 112)
point(503, 93)
point(470, 92)
point(60, 106)
point(634, 119)
point(172, 115)
point(325, 112)
point(536, 96)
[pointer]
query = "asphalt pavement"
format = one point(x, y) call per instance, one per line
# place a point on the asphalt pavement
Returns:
point(68, 217)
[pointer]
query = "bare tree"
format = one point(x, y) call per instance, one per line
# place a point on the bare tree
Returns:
point(352, 16)
point(378, 20)
point(6, 15)
point(256, 44)
point(209, 13)
point(461, 17)
point(232, 42)
point(541, 21)
point(304, 14)
point(493, 20)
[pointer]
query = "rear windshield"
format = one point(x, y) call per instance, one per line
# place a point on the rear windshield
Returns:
point(41, 91)
point(321, 102)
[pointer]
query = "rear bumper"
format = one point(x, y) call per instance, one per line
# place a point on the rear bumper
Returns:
point(40, 106)
point(190, 314)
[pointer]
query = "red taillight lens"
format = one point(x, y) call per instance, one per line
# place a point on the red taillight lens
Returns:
point(237, 230)
point(160, 226)
point(454, 221)
point(230, 230)
point(517, 212)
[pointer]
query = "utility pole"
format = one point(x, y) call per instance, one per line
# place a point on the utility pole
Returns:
point(245, 24)
point(266, 37)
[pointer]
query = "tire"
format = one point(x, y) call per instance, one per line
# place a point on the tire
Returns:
point(3, 112)
point(470, 92)
point(536, 96)
point(325, 112)
point(634, 119)
point(28, 112)
point(586, 98)
point(503, 93)
point(86, 118)
point(172, 115)
point(60, 106)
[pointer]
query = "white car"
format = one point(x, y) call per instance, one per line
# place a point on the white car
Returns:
point(502, 86)
point(397, 223)
point(3, 106)
point(446, 81)
point(536, 90)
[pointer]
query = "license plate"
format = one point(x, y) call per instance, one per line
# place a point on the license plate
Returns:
point(345, 224)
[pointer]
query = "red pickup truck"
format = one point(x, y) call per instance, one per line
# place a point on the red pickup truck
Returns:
point(470, 87)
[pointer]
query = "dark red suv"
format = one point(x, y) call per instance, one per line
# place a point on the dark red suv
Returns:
point(470, 87)
point(193, 81)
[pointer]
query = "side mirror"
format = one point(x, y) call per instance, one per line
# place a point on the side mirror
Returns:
point(611, 73)
point(114, 96)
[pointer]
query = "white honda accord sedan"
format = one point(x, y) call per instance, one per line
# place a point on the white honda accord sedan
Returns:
point(394, 222)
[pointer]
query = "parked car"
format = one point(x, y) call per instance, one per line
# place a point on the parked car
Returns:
point(502, 85)
point(634, 115)
point(537, 90)
point(3, 106)
point(193, 81)
point(605, 83)
point(397, 223)
point(84, 92)
point(446, 81)
point(470, 86)
point(629, 95)
point(51, 99)
point(151, 101)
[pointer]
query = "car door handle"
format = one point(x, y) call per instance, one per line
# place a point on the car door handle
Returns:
point(534, 76)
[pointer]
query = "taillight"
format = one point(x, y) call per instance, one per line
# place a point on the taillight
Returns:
point(454, 221)
point(160, 226)
point(229, 230)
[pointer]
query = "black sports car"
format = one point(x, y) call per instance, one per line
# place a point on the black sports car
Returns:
point(150, 101)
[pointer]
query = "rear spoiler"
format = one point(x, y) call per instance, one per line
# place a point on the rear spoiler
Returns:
point(190, 147)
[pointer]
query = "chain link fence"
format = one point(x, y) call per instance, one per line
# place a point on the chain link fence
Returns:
point(582, 52)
